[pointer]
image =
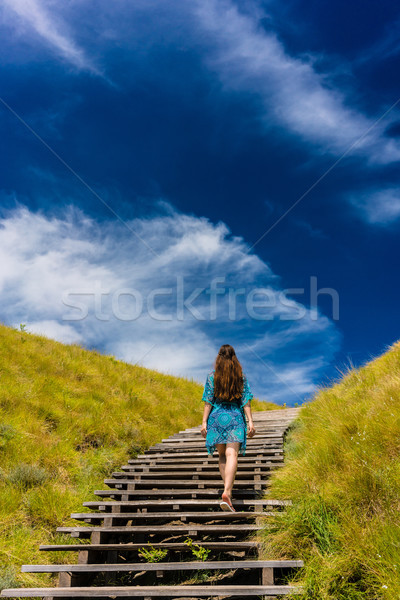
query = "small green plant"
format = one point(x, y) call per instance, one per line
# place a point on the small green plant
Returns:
point(8, 577)
point(7, 432)
point(203, 576)
point(27, 476)
point(151, 554)
point(22, 328)
point(197, 550)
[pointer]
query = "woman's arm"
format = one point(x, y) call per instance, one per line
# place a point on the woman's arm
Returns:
point(206, 412)
point(247, 410)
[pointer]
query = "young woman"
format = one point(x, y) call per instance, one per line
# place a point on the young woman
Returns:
point(227, 398)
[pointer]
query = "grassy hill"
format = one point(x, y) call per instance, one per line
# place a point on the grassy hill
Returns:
point(342, 473)
point(68, 418)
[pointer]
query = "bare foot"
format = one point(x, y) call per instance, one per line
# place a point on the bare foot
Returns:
point(226, 503)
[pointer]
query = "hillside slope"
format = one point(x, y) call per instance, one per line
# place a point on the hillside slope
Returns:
point(342, 473)
point(68, 418)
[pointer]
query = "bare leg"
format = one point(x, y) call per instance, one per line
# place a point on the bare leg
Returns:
point(222, 460)
point(231, 453)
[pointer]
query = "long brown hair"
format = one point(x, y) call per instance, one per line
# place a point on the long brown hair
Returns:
point(228, 378)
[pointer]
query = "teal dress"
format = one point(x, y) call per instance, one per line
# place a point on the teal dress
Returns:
point(226, 421)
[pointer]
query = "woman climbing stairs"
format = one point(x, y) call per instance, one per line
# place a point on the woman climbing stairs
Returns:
point(158, 531)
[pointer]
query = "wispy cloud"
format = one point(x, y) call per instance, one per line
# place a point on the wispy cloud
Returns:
point(75, 279)
point(314, 232)
point(294, 94)
point(380, 206)
point(50, 28)
point(386, 47)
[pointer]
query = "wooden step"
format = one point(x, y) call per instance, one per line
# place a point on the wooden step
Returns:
point(151, 516)
point(199, 446)
point(202, 454)
point(211, 493)
point(195, 458)
point(196, 467)
point(212, 591)
point(262, 433)
point(262, 438)
point(189, 529)
point(178, 482)
point(263, 430)
point(202, 450)
point(173, 546)
point(177, 505)
point(160, 566)
point(165, 476)
point(271, 424)
point(268, 437)
point(187, 451)
point(189, 475)
point(189, 464)
point(193, 462)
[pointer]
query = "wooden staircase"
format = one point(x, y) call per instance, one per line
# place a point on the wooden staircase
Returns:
point(168, 499)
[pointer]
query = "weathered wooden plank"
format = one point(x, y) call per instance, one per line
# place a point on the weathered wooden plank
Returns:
point(176, 482)
point(153, 591)
point(262, 433)
point(200, 445)
point(169, 566)
point(202, 454)
point(179, 482)
point(183, 459)
point(183, 451)
point(193, 475)
point(183, 467)
point(209, 515)
point(269, 437)
point(273, 423)
point(187, 503)
point(121, 547)
point(176, 493)
point(231, 527)
point(160, 468)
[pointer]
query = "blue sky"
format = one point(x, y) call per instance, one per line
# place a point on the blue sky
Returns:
point(179, 175)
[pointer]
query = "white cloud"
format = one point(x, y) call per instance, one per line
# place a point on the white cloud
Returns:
point(54, 330)
point(379, 207)
point(46, 24)
point(247, 58)
point(75, 279)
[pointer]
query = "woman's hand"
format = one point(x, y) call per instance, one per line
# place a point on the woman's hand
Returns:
point(251, 431)
point(206, 414)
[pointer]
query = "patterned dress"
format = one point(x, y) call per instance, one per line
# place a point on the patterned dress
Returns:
point(226, 421)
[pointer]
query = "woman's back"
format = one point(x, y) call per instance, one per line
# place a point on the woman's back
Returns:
point(226, 400)
point(210, 396)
